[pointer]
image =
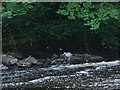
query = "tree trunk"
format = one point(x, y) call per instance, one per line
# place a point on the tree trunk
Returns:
point(14, 43)
point(86, 43)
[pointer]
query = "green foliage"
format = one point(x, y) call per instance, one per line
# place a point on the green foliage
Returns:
point(92, 13)
point(42, 26)
point(0, 11)
point(110, 33)
point(30, 26)
point(11, 9)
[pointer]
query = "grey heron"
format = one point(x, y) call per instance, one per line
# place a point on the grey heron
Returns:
point(68, 55)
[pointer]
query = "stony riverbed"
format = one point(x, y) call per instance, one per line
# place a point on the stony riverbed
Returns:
point(89, 75)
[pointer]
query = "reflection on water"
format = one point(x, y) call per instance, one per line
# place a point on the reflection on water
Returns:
point(90, 75)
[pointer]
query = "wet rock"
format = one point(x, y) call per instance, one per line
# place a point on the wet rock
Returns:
point(87, 55)
point(95, 59)
point(53, 62)
point(79, 58)
point(77, 55)
point(3, 67)
point(75, 60)
point(59, 61)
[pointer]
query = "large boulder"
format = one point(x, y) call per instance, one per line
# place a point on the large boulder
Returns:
point(85, 58)
point(77, 55)
point(8, 60)
point(95, 59)
point(76, 60)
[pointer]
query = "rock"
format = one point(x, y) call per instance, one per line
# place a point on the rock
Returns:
point(87, 55)
point(32, 60)
point(58, 61)
point(78, 58)
point(27, 62)
point(95, 59)
point(3, 67)
point(22, 64)
point(77, 55)
point(75, 60)
point(8, 60)
point(53, 62)
point(15, 54)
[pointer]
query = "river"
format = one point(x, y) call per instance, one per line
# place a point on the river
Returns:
point(103, 75)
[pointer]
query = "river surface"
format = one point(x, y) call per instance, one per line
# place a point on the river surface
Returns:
point(103, 75)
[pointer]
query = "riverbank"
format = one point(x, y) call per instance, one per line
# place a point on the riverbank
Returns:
point(12, 61)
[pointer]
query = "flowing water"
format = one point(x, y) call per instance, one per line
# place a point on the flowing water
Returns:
point(89, 75)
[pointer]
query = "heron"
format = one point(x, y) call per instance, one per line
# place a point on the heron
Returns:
point(68, 55)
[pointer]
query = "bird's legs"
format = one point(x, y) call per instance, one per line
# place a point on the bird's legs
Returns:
point(68, 58)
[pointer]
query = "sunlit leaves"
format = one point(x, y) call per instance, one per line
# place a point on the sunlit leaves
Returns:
point(115, 13)
point(92, 13)
point(87, 5)
point(39, 21)
point(11, 9)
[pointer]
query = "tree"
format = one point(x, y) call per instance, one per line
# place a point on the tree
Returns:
point(92, 13)
point(42, 27)
point(11, 9)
